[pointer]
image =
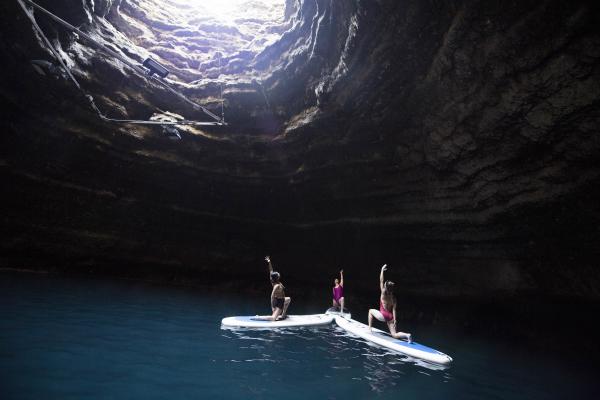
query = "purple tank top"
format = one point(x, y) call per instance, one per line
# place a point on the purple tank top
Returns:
point(338, 293)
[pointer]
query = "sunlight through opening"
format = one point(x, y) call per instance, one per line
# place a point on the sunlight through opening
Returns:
point(230, 11)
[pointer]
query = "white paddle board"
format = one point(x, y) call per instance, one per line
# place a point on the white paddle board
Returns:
point(290, 321)
point(336, 311)
point(384, 339)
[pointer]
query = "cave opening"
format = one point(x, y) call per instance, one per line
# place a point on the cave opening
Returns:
point(200, 39)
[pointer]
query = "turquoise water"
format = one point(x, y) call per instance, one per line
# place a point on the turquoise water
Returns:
point(74, 339)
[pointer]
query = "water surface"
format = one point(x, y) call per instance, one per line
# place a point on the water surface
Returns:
point(75, 338)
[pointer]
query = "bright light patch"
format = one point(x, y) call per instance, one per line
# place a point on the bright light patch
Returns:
point(191, 37)
point(228, 11)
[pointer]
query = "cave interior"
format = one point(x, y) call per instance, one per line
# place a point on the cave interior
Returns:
point(456, 141)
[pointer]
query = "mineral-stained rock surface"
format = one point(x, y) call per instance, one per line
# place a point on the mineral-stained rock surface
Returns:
point(458, 141)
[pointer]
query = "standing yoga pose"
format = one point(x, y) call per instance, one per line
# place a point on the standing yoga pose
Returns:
point(387, 308)
point(338, 292)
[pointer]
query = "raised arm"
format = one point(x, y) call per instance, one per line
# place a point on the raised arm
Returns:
point(381, 280)
point(268, 260)
point(342, 277)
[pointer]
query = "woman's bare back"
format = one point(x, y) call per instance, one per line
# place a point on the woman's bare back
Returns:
point(388, 300)
point(278, 291)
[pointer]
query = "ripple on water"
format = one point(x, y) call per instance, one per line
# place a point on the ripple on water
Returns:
point(334, 350)
point(73, 340)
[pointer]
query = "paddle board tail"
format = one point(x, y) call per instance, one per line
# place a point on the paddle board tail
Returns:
point(383, 339)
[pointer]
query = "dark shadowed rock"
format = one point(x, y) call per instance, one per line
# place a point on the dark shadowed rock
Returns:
point(456, 141)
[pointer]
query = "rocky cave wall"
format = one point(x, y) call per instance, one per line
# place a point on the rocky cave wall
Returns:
point(457, 141)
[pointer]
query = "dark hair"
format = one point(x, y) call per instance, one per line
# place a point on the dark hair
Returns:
point(389, 286)
point(274, 276)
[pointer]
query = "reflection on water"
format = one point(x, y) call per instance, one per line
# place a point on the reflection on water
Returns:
point(341, 354)
point(381, 368)
point(74, 339)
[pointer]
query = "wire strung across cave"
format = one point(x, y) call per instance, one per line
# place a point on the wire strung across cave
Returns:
point(153, 68)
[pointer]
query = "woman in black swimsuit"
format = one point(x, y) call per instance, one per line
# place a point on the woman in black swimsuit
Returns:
point(279, 302)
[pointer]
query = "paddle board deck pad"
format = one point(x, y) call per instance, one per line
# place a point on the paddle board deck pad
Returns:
point(383, 339)
point(289, 322)
point(336, 311)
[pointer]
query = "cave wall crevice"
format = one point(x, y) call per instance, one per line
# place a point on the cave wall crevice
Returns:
point(455, 140)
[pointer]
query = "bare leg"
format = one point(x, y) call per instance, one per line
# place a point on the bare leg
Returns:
point(373, 313)
point(371, 318)
point(276, 313)
point(286, 304)
point(342, 305)
point(398, 335)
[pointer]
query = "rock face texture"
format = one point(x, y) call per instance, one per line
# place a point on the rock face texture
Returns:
point(457, 141)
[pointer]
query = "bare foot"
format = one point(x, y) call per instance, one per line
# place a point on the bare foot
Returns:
point(409, 338)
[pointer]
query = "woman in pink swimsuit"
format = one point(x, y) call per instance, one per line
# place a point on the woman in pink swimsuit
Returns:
point(387, 302)
point(338, 292)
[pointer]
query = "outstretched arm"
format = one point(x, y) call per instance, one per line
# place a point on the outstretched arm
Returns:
point(381, 280)
point(342, 278)
point(268, 260)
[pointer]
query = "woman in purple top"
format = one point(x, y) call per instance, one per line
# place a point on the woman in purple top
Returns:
point(338, 292)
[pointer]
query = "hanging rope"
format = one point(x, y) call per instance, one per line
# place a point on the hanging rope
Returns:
point(136, 68)
point(222, 101)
